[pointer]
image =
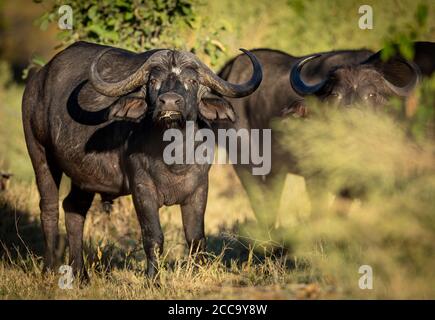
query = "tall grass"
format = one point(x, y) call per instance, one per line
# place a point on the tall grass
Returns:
point(115, 260)
point(392, 226)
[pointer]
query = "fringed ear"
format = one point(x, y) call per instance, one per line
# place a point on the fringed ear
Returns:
point(215, 108)
point(128, 108)
point(401, 76)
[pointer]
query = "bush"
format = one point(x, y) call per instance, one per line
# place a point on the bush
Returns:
point(141, 25)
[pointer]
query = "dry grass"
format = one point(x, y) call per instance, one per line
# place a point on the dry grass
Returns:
point(116, 262)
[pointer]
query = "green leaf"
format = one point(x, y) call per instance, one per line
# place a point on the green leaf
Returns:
point(97, 29)
point(38, 60)
point(92, 12)
point(123, 4)
point(63, 35)
point(112, 36)
point(44, 25)
point(128, 16)
point(406, 49)
point(388, 51)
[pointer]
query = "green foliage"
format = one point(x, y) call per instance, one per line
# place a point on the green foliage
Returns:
point(216, 29)
point(421, 122)
point(302, 27)
point(400, 38)
point(140, 25)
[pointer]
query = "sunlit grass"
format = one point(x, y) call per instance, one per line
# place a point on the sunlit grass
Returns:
point(116, 262)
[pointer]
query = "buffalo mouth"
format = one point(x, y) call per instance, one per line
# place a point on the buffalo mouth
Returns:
point(170, 119)
point(170, 114)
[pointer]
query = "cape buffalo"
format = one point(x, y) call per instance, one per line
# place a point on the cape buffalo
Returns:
point(98, 114)
point(342, 78)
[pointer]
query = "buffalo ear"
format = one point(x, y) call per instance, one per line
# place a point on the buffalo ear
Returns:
point(213, 107)
point(396, 70)
point(127, 108)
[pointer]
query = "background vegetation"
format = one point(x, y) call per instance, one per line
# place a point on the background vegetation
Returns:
point(393, 229)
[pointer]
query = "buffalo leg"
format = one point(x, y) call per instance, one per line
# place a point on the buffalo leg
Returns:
point(147, 210)
point(76, 205)
point(264, 194)
point(48, 177)
point(192, 212)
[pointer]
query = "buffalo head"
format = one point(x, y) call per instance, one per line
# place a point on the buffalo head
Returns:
point(370, 82)
point(173, 86)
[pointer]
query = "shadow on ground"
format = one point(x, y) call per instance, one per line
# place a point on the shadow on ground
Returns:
point(20, 233)
point(21, 237)
point(239, 245)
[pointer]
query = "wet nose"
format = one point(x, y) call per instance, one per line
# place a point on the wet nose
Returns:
point(170, 101)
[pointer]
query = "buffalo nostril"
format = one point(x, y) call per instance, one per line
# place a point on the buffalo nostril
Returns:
point(170, 101)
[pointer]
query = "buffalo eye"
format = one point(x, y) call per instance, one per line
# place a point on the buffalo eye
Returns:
point(370, 96)
point(335, 95)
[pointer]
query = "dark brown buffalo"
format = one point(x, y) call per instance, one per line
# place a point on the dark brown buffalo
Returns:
point(97, 114)
point(340, 78)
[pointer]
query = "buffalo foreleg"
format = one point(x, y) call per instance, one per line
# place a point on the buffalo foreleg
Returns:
point(147, 210)
point(76, 205)
point(48, 177)
point(193, 219)
point(264, 194)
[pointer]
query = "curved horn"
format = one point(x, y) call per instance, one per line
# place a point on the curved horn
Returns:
point(404, 91)
point(213, 81)
point(298, 84)
point(116, 89)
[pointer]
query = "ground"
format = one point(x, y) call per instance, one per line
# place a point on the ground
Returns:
point(116, 261)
